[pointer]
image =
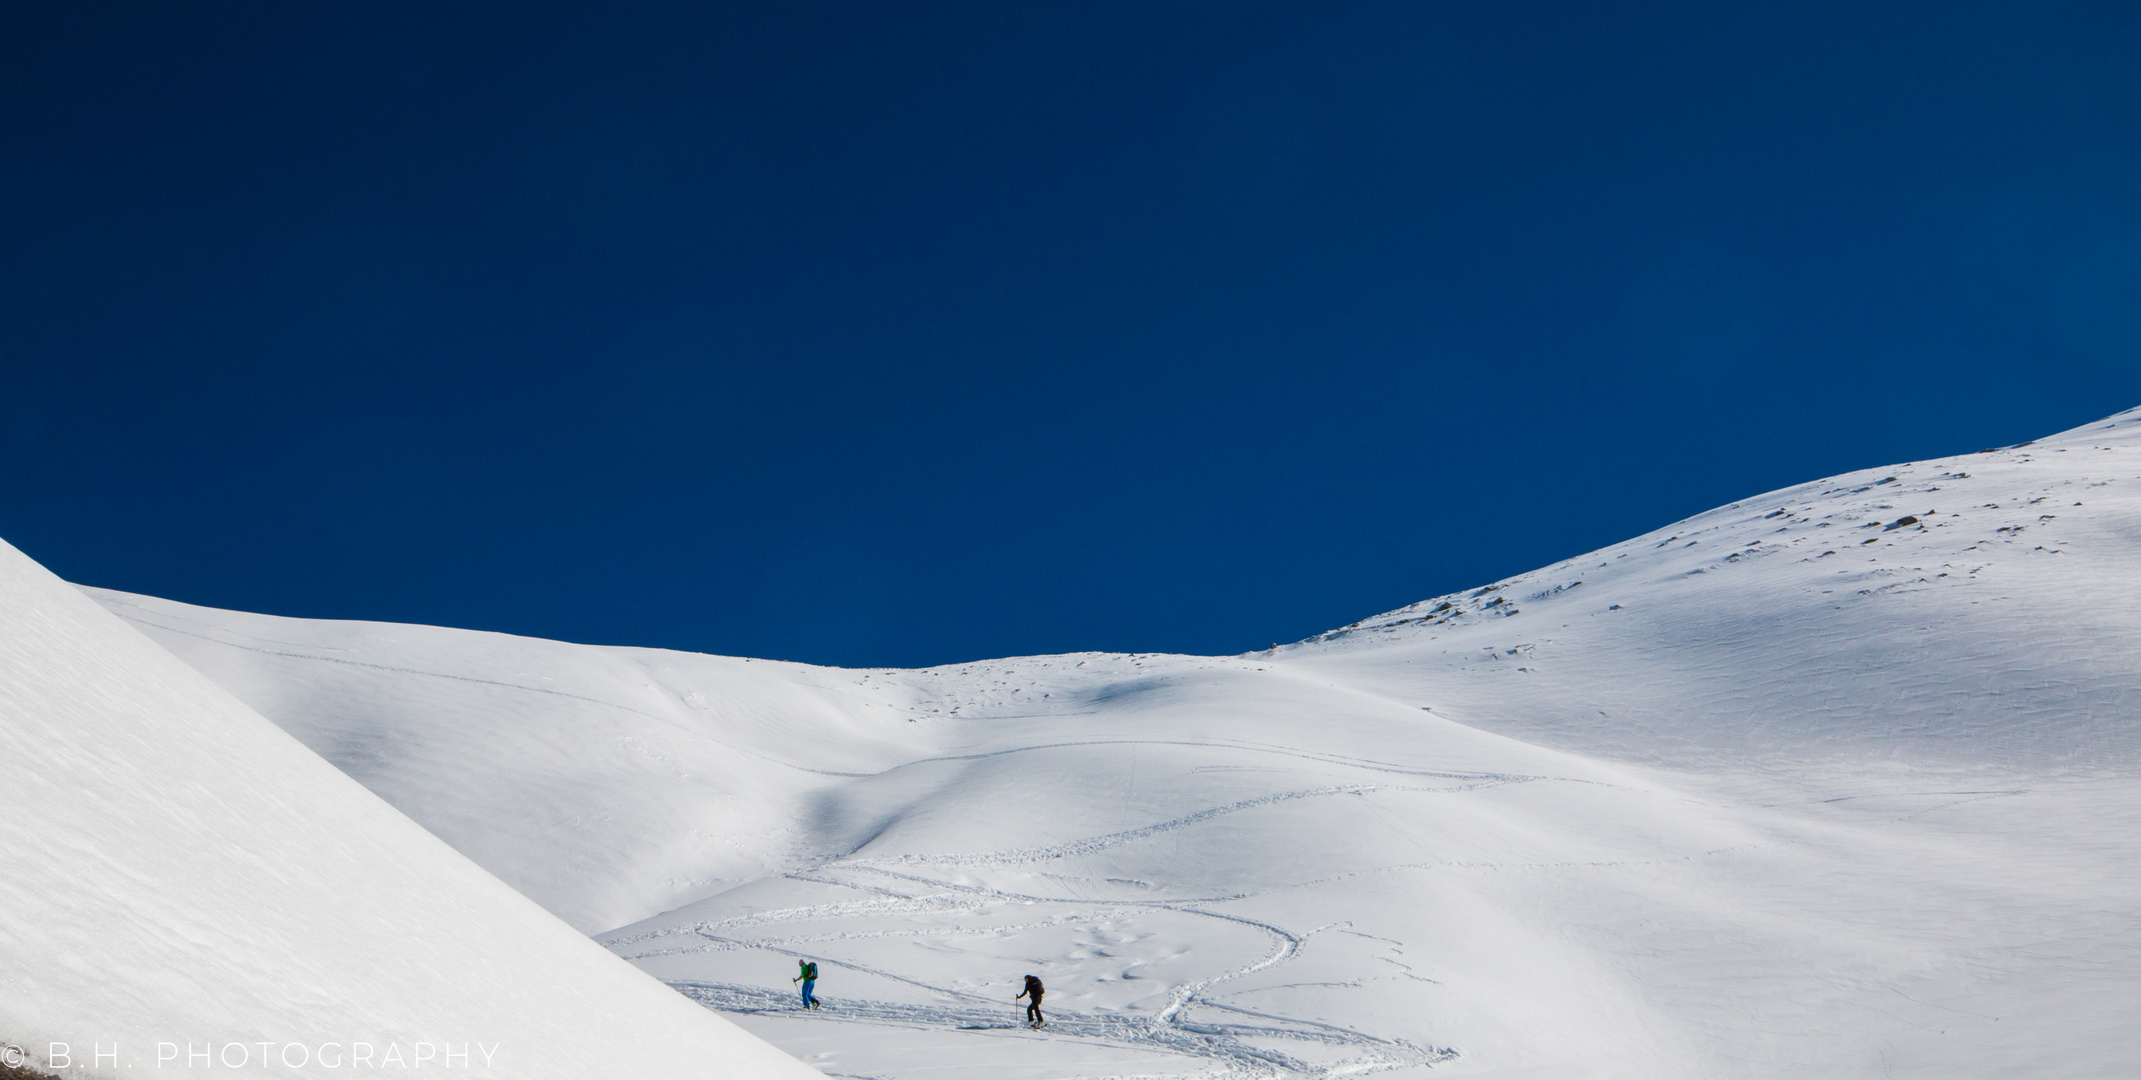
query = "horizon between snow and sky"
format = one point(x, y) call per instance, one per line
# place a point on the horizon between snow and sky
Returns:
point(896, 336)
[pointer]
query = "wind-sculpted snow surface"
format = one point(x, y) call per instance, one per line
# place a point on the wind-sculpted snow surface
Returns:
point(1838, 781)
point(1980, 611)
point(605, 784)
point(190, 891)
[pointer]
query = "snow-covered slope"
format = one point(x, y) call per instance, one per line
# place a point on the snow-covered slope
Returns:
point(1795, 787)
point(1980, 611)
point(187, 888)
point(606, 784)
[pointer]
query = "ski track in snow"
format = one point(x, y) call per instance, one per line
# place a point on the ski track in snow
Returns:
point(1221, 1044)
point(1230, 744)
point(1171, 1030)
point(1094, 844)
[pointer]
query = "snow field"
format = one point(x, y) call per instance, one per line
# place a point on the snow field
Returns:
point(1835, 781)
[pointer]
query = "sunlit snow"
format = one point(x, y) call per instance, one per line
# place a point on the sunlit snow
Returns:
point(1835, 781)
point(187, 889)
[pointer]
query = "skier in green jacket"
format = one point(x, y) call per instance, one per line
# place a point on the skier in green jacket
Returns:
point(807, 974)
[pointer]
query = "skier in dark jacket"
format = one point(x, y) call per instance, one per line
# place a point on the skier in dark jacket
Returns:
point(1033, 1008)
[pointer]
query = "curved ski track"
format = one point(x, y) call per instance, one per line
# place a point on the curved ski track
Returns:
point(1176, 1028)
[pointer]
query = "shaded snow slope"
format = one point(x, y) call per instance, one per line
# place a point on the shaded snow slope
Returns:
point(605, 784)
point(1795, 787)
point(179, 871)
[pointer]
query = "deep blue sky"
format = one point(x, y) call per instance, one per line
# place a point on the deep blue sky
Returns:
point(904, 333)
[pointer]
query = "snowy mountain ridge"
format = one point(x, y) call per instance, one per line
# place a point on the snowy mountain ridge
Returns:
point(189, 889)
point(1840, 559)
point(1819, 782)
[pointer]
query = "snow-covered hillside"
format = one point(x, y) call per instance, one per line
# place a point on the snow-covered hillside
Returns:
point(188, 889)
point(1980, 611)
point(1838, 780)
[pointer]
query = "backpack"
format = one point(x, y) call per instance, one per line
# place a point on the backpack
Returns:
point(810, 972)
